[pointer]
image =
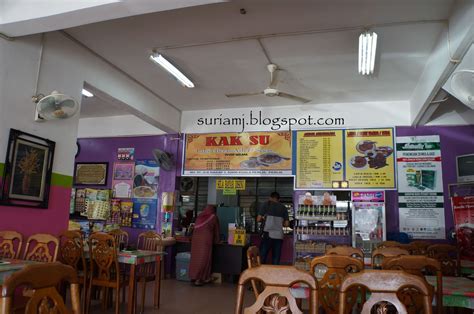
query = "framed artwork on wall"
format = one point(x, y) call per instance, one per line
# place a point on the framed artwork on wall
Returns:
point(28, 168)
point(91, 173)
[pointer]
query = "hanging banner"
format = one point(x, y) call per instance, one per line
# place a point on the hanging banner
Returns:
point(463, 209)
point(359, 158)
point(369, 160)
point(249, 154)
point(318, 158)
point(144, 213)
point(420, 187)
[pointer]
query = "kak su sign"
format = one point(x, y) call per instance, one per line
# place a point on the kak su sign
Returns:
point(249, 154)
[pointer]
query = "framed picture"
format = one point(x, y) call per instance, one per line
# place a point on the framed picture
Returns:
point(91, 173)
point(28, 168)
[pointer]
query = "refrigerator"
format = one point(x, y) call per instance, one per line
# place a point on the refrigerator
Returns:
point(368, 221)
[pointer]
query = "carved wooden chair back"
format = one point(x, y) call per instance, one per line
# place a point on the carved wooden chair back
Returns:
point(120, 236)
point(10, 244)
point(330, 271)
point(384, 285)
point(149, 241)
point(277, 281)
point(253, 260)
point(42, 279)
point(41, 247)
point(378, 255)
point(104, 265)
point(448, 256)
point(418, 265)
point(419, 247)
point(346, 251)
point(71, 250)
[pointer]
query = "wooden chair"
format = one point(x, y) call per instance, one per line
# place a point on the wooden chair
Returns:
point(253, 260)
point(41, 247)
point(346, 251)
point(10, 244)
point(120, 236)
point(420, 266)
point(42, 280)
point(420, 247)
point(104, 268)
point(150, 241)
point(378, 255)
point(384, 285)
point(71, 252)
point(277, 281)
point(386, 244)
point(448, 256)
point(334, 269)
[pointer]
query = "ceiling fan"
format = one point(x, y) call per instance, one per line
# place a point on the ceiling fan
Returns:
point(271, 90)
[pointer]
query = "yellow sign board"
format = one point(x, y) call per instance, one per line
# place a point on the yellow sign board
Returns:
point(350, 158)
point(239, 237)
point(249, 154)
point(223, 184)
point(319, 158)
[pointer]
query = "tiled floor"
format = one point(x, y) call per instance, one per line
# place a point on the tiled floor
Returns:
point(179, 297)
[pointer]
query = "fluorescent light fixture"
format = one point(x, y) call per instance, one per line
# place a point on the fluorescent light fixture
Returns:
point(367, 51)
point(86, 93)
point(165, 64)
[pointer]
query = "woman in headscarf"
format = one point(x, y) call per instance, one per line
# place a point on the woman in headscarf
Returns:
point(205, 234)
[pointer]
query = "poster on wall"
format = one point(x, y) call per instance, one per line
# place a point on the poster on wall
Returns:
point(350, 159)
point(249, 154)
point(420, 187)
point(369, 160)
point(144, 213)
point(122, 181)
point(318, 158)
point(463, 209)
point(145, 181)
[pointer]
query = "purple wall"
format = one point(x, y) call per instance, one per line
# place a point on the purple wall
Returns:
point(455, 140)
point(105, 150)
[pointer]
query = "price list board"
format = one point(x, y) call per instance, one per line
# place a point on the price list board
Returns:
point(319, 158)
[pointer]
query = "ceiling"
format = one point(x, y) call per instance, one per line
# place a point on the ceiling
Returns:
point(96, 107)
point(320, 64)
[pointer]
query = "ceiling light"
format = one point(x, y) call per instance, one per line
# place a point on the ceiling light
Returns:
point(367, 50)
point(86, 93)
point(158, 58)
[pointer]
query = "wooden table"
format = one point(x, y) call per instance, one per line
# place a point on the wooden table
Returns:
point(457, 291)
point(11, 266)
point(135, 258)
point(467, 267)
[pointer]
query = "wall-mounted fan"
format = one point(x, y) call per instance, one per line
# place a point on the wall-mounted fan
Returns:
point(462, 83)
point(271, 90)
point(54, 106)
point(187, 185)
point(163, 159)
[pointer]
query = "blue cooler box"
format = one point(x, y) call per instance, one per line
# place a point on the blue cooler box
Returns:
point(182, 266)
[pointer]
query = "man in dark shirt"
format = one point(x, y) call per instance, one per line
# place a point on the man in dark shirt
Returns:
point(275, 216)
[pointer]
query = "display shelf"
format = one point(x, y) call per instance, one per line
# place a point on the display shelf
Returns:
point(317, 218)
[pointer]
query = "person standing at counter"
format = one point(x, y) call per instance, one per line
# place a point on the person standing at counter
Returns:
point(274, 216)
point(205, 234)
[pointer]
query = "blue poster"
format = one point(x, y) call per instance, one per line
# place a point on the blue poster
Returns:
point(144, 213)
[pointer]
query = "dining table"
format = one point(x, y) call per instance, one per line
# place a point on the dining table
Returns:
point(9, 266)
point(467, 267)
point(139, 258)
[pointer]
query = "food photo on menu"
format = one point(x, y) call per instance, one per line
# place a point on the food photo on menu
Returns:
point(263, 160)
point(371, 155)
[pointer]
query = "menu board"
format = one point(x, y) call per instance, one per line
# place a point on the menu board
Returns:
point(361, 157)
point(249, 154)
point(370, 163)
point(319, 158)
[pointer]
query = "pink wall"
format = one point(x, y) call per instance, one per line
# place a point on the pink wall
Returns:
point(28, 221)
